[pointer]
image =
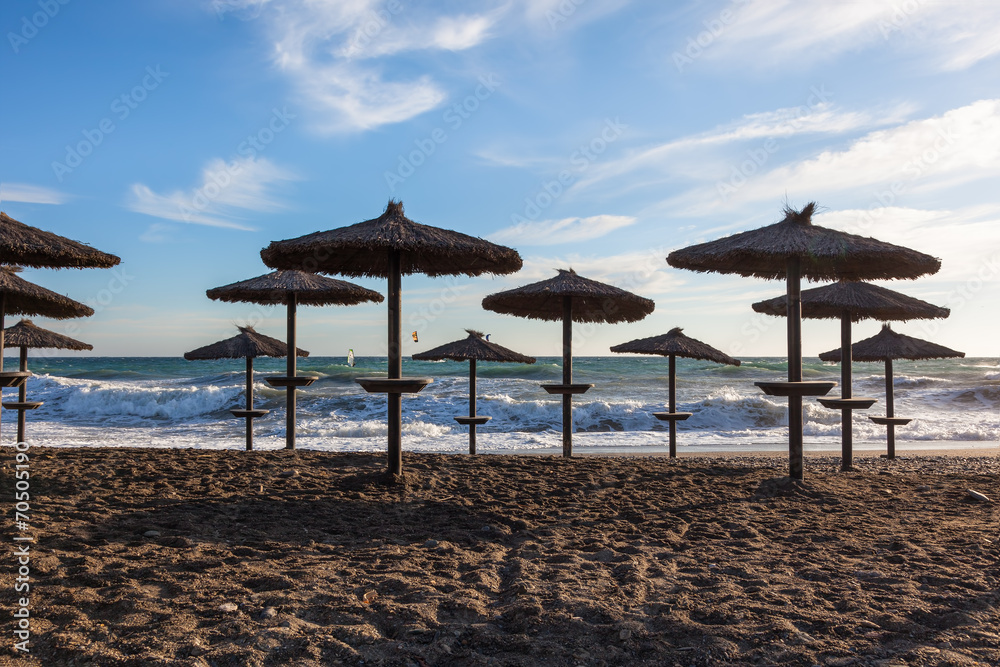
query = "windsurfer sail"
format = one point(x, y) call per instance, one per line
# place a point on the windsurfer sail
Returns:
point(350, 357)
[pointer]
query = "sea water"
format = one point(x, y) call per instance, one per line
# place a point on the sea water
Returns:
point(170, 402)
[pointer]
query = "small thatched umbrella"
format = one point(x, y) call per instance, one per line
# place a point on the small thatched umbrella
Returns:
point(292, 288)
point(248, 344)
point(675, 344)
point(20, 297)
point(474, 348)
point(886, 346)
point(570, 298)
point(852, 301)
point(391, 246)
point(25, 334)
point(792, 249)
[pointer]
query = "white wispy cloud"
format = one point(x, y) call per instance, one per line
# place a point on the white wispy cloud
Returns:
point(566, 230)
point(644, 272)
point(227, 190)
point(951, 35)
point(698, 156)
point(333, 53)
point(956, 147)
point(31, 194)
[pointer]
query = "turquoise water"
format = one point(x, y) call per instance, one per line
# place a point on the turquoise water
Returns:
point(150, 401)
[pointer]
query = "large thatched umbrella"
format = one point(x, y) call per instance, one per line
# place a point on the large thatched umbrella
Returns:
point(25, 334)
point(886, 346)
point(391, 246)
point(792, 249)
point(248, 344)
point(474, 348)
point(852, 301)
point(675, 344)
point(570, 298)
point(292, 288)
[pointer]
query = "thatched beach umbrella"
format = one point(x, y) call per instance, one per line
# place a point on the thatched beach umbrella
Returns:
point(852, 301)
point(248, 344)
point(886, 346)
point(25, 334)
point(675, 344)
point(792, 249)
point(292, 288)
point(391, 246)
point(474, 348)
point(570, 298)
point(23, 245)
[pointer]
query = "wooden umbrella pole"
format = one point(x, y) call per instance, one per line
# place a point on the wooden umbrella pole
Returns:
point(290, 372)
point(567, 399)
point(249, 402)
point(794, 313)
point(472, 405)
point(846, 421)
point(890, 411)
point(673, 405)
point(22, 394)
point(395, 401)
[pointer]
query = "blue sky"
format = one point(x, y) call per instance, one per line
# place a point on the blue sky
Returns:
point(597, 134)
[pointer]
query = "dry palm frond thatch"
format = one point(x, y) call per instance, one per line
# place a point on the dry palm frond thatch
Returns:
point(308, 288)
point(26, 334)
point(30, 246)
point(363, 249)
point(825, 254)
point(862, 301)
point(473, 347)
point(887, 344)
point(248, 344)
point(592, 301)
point(24, 298)
point(676, 343)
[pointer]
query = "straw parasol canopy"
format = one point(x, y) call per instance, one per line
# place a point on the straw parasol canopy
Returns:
point(887, 345)
point(30, 246)
point(792, 249)
point(823, 253)
point(861, 300)
point(363, 249)
point(26, 334)
point(675, 344)
point(293, 288)
point(391, 246)
point(248, 344)
point(474, 348)
point(21, 297)
point(570, 298)
point(852, 301)
point(308, 288)
point(883, 347)
point(592, 301)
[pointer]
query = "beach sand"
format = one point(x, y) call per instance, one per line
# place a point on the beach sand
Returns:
point(195, 557)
